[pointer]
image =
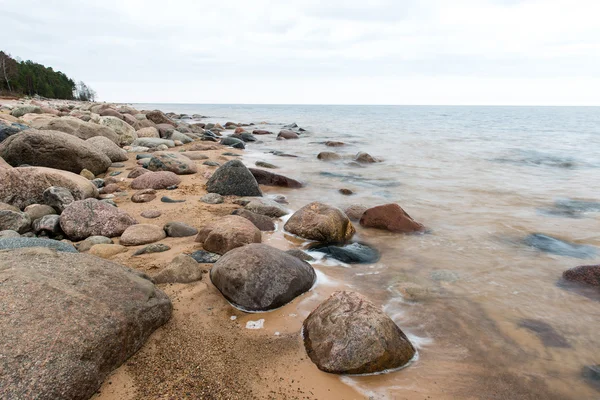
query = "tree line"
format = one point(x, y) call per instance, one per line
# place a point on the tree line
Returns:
point(28, 78)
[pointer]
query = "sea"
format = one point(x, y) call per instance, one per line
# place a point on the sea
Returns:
point(510, 197)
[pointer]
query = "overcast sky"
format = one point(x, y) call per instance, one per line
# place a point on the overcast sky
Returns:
point(316, 51)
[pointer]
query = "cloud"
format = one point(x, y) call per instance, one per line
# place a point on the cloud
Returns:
point(207, 51)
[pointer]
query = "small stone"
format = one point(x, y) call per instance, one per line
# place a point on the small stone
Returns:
point(15, 221)
point(92, 241)
point(166, 199)
point(144, 196)
point(172, 187)
point(346, 192)
point(58, 197)
point(205, 257)
point(107, 250)
point(182, 269)
point(99, 183)
point(212, 198)
point(179, 229)
point(150, 214)
point(115, 173)
point(152, 248)
point(211, 163)
point(265, 164)
point(139, 234)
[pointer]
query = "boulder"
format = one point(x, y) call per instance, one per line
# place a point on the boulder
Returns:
point(24, 186)
point(233, 178)
point(261, 132)
point(53, 149)
point(106, 146)
point(585, 274)
point(68, 320)
point(233, 142)
point(262, 222)
point(258, 277)
point(26, 242)
point(390, 217)
point(347, 334)
point(182, 269)
point(76, 127)
point(155, 180)
point(320, 222)
point(125, 131)
point(58, 197)
point(9, 129)
point(174, 162)
point(179, 229)
point(137, 171)
point(84, 218)
point(14, 221)
point(139, 234)
point(149, 132)
point(287, 134)
point(271, 179)
point(265, 164)
point(158, 117)
point(267, 207)
point(109, 112)
point(228, 233)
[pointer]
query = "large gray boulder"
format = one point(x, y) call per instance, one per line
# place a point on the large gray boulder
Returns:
point(68, 320)
point(76, 127)
point(21, 187)
point(125, 131)
point(233, 178)
point(258, 277)
point(91, 217)
point(106, 146)
point(53, 149)
point(347, 334)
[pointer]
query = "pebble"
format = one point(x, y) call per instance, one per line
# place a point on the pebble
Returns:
point(166, 199)
point(151, 214)
point(152, 248)
point(115, 173)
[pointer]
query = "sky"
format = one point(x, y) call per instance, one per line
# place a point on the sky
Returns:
point(459, 52)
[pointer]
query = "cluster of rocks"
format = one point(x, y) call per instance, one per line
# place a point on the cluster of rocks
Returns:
point(59, 222)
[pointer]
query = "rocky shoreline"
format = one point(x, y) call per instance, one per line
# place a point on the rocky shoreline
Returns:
point(133, 262)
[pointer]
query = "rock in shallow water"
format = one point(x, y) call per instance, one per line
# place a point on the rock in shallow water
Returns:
point(591, 374)
point(585, 274)
point(64, 327)
point(354, 253)
point(390, 217)
point(559, 247)
point(258, 277)
point(320, 222)
point(347, 334)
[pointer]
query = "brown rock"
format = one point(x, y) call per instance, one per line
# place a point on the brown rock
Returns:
point(92, 217)
point(228, 233)
point(139, 234)
point(4, 164)
point(156, 180)
point(328, 156)
point(261, 132)
point(109, 112)
point(174, 162)
point(262, 222)
point(137, 171)
point(110, 188)
point(365, 158)
point(150, 214)
point(347, 334)
point(106, 250)
point(76, 127)
point(158, 117)
point(110, 149)
point(258, 277)
point(182, 269)
point(320, 222)
point(390, 217)
point(334, 144)
point(270, 179)
point(586, 274)
point(68, 320)
point(239, 130)
point(53, 149)
point(144, 196)
point(287, 134)
point(23, 186)
point(150, 132)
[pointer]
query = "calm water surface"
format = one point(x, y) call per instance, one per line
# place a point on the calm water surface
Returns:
point(487, 311)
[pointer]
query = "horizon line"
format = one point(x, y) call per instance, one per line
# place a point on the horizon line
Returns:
point(361, 105)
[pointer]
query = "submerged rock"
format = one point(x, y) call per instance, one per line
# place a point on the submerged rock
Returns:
point(320, 222)
point(259, 277)
point(546, 333)
point(300, 254)
point(271, 179)
point(347, 334)
point(354, 253)
point(390, 217)
point(559, 247)
point(591, 374)
point(64, 327)
point(585, 274)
